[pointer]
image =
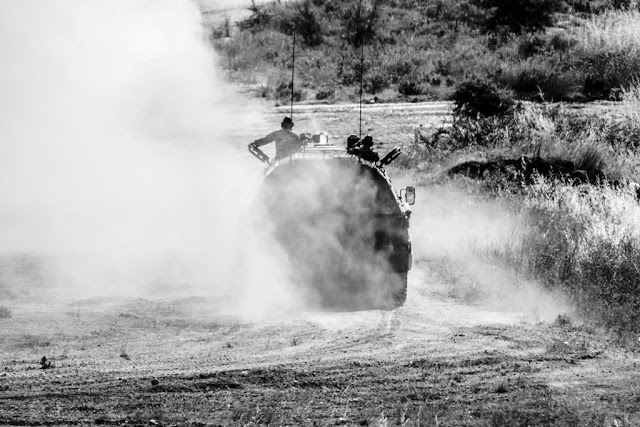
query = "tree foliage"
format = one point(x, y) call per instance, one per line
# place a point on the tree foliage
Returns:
point(360, 23)
point(307, 24)
point(258, 20)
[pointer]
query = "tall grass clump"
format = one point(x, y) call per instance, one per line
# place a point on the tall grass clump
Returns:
point(584, 241)
point(609, 45)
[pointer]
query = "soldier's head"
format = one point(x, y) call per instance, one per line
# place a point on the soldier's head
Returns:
point(287, 123)
point(367, 141)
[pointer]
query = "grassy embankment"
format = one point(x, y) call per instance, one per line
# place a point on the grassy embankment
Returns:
point(580, 218)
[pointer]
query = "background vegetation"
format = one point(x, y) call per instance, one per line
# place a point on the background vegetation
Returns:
point(573, 50)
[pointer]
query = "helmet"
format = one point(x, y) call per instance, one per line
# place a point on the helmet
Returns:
point(287, 122)
point(367, 141)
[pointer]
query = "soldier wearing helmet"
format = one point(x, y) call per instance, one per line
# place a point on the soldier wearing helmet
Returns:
point(363, 149)
point(287, 142)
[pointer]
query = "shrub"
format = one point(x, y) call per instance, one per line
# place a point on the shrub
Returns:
point(325, 93)
point(562, 42)
point(541, 78)
point(282, 93)
point(399, 69)
point(5, 312)
point(519, 16)
point(46, 363)
point(410, 88)
point(375, 81)
point(531, 46)
point(609, 47)
point(478, 97)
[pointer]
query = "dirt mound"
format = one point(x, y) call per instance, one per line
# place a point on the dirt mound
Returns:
point(525, 170)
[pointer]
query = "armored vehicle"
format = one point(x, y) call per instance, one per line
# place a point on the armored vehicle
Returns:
point(336, 215)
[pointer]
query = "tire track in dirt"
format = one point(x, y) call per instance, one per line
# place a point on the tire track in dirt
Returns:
point(434, 349)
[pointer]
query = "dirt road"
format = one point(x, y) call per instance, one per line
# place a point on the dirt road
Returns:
point(438, 360)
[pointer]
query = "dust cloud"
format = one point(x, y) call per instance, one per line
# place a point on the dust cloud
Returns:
point(457, 235)
point(339, 226)
point(115, 172)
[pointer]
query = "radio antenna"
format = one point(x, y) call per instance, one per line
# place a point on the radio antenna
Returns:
point(361, 63)
point(293, 68)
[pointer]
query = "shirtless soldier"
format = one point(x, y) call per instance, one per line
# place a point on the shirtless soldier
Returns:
point(286, 141)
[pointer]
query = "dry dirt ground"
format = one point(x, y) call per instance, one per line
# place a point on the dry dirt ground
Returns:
point(444, 358)
point(439, 360)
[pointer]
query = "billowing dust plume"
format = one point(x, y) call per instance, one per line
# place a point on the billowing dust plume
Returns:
point(116, 170)
point(454, 237)
point(340, 224)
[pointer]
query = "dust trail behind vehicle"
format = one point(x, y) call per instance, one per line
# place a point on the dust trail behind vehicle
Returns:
point(115, 176)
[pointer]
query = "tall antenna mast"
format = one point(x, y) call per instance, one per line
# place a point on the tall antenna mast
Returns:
point(293, 69)
point(361, 63)
point(361, 77)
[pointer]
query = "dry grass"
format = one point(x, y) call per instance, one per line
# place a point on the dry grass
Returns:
point(609, 45)
point(586, 241)
point(613, 31)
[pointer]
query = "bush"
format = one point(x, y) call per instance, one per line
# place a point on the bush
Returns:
point(541, 78)
point(325, 93)
point(5, 312)
point(519, 16)
point(282, 93)
point(375, 81)
point(476, 97)
point(531, 46)
point(410, 88)
point(609, 47)
point(562, 42)
point(399, 69)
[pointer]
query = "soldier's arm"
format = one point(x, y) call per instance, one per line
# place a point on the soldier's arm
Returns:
point(264, 141)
